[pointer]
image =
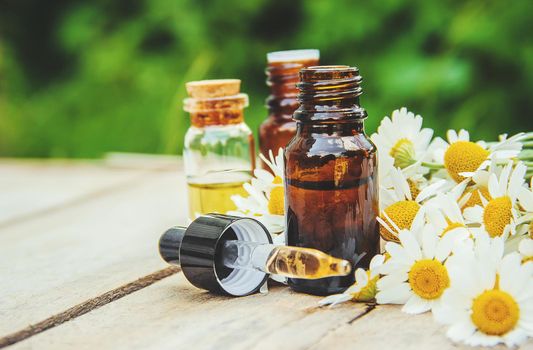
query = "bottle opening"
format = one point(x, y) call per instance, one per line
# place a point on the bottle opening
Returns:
point(329, 93)
point(329, 73)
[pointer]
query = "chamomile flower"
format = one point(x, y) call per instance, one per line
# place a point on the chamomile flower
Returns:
point(401, 139)
point(489, 300)
point(265, 201)
point(364, 289)
point(400, 207)
point(463, 158)
point(501, 215)
point(416, 274)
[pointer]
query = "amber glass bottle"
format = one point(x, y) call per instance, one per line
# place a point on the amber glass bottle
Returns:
point(331, 175)
point(282, 75)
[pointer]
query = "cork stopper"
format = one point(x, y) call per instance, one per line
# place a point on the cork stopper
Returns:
point(213, 88)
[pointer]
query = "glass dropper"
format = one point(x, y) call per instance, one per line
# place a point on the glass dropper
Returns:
point(292, 262)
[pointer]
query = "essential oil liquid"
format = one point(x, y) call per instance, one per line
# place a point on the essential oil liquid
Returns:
point(336, 217)
point(305, 263)
point(213, 197)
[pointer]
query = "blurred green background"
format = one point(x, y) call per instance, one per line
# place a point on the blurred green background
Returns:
point(81, 78)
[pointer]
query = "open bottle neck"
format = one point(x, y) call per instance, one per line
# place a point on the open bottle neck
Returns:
point(329, 93)
point(282, 78)
point(338, 128)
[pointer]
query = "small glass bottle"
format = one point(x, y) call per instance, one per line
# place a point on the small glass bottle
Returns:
point(282, 75)
point(219, 150)
point(331, 175)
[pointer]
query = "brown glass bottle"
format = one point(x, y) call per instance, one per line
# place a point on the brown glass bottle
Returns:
point(331, 175)
point(282, 75)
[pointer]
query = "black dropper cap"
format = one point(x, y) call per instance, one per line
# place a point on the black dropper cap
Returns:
point(169, 244)
point(197, 250)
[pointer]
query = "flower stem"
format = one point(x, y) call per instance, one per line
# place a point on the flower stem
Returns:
point(526, 154)
point(432, 165)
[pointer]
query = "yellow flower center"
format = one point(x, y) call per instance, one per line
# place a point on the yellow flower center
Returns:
point(451, 226)
point(277, 180)
point(276, 202)
point(413, 188)
point(428, 279)
point(531, 230)
point(475, 198)
point(403, 153)
point(402, 214)
point(369, 291)
point(497, 215)
point(495, 312)
point(463, 156)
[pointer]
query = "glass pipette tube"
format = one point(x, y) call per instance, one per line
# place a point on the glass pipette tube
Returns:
point(292, 262)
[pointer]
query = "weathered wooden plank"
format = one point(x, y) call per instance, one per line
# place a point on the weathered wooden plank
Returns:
point(62, 258)
point(172, 314)
point(34, 187)
point(387, 327)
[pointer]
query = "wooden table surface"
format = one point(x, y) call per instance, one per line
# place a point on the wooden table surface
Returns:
point(80, 269)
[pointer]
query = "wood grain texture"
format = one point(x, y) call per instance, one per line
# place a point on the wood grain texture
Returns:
point(87, 306)
point(67, 256)
point(32, 188)
point(387, 327)
point(172, 314)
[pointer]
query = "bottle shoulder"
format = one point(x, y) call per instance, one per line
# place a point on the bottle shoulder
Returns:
point(324, 144)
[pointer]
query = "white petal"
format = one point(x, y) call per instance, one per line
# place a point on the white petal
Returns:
point(504, 177)
point(452, 136)
point(263, 175)
point(376, 261)
point(397, 295)
point(463, 135)
point(515, 337)
point(410, 244)
point(429, 244)
point(361, 277)
point(517, 180)
point(509, 272)
point(416, 305)
point(430, 190)
point(335, 299)
point(398, 253)
point(494, 189)
point(392, 280)
point(482, 339)
point(446, 243)
point(460, 331)
point(525, 197)
point(474, 214)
